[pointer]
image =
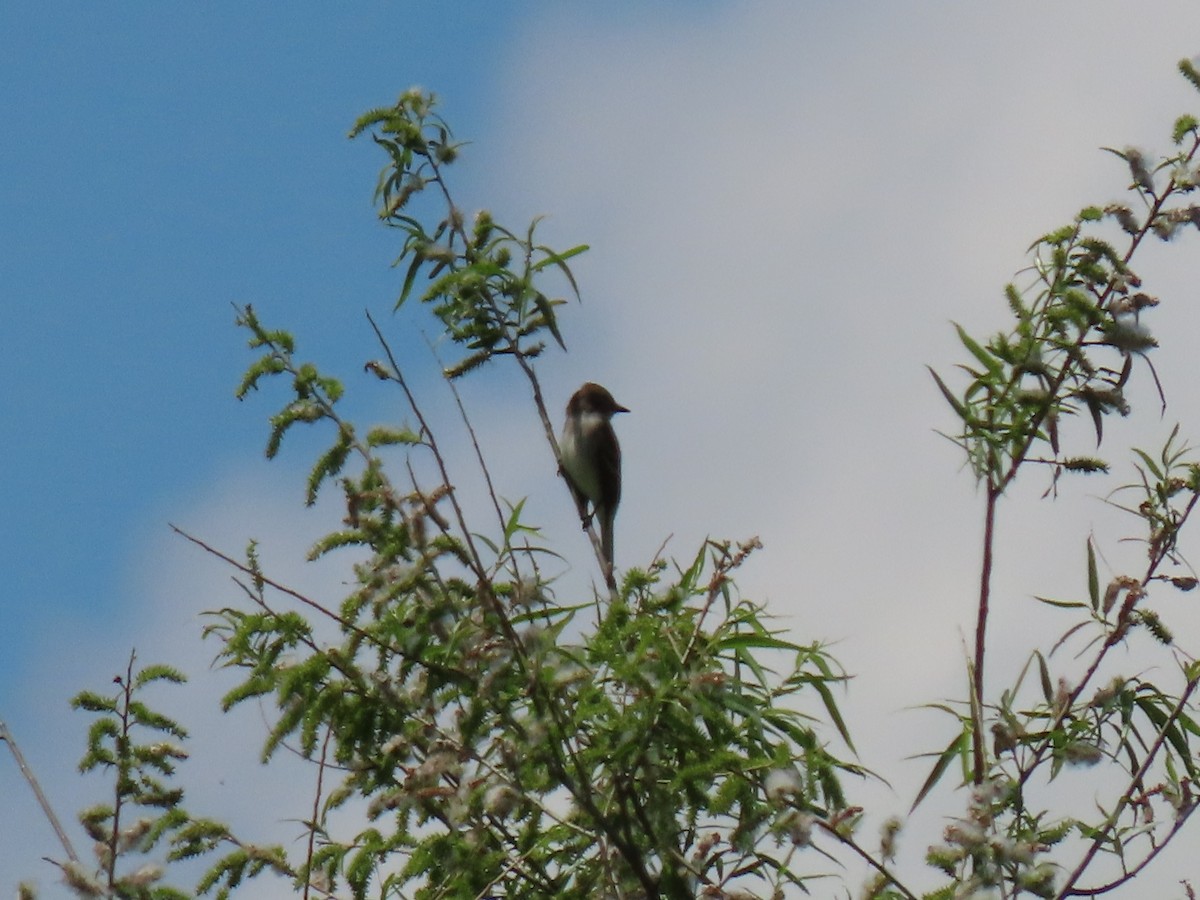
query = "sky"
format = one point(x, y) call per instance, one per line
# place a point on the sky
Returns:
point(787, 205)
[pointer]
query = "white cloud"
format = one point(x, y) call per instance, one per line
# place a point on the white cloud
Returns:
point(172, 583)
point(787, 205)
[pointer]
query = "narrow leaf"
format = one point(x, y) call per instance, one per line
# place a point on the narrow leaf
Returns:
point(1093, 578)
point(950, 398)
point(981, 353)
point(952, 752)
point(1150, 464)
point(1047, 684)
point(1061, 604)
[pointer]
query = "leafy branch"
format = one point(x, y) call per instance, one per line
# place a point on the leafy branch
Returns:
point(1080, 323)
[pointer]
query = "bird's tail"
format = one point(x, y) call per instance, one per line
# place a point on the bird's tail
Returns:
point(606, 535)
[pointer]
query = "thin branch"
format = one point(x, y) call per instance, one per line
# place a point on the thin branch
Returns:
point(31, 780)
point(997, 483)
point(867, 858)
point(277, 585)
point(477, 565)
point(316, 812)
point(1101, 835)
point(120, 782)
point(466, 420)
point(1076, 692)
point(1176, 827)
point(979, 754)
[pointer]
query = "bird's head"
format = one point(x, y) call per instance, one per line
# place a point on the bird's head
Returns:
point(593, 398)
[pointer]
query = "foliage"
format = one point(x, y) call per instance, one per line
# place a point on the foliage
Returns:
point(140, 748)
point(1080, 325)
point(505, 741)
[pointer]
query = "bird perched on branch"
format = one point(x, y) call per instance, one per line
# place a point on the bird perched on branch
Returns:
point(591, 458)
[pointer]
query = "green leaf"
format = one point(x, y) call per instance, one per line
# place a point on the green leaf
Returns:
point(1067, 232)
point(409, 277)
point(467, 364)
point(382, 436)
point(546, 308)
point(1150, 464)
point(760, 641)
point(1061, 604)
point(329, 464)
point(689, 578)
point(1188, 70)
point(954, 750)
point(1044, 675)
point(954, 402)
point(1097, 411)
point(513, 524)
point(1184, 126)
point(1188, 723)
point(269, 364)
point(560, 260)
point(89, 701)
point(989, 360)
point(1093, 578)
point(1175, 737)
point(831, 708)
point(158, 673)
point(370, 118)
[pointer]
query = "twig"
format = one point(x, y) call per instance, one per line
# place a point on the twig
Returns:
point(279, 586)
point(867, 857)
point(1176, 827)
point(476, 560)
point(1101, 834)
point(316, 811)
point(466, 420)
point(985, 589)
point(31, 780)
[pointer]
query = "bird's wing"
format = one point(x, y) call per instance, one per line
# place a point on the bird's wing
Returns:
point(606, 455)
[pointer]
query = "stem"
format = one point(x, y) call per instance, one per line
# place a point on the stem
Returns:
point(122, 755)
point(31, 780)
point(316, 812)
point(985, 590)
point(466, 420)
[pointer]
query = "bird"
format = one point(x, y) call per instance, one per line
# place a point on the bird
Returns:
point(591, 458)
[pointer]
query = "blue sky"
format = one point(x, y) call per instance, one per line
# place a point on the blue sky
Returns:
point(787, 203)
point(161, 164)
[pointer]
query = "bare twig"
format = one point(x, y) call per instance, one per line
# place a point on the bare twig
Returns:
point(316, 812)
point(985, 588)
point(31, 780)
point(466, 420)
